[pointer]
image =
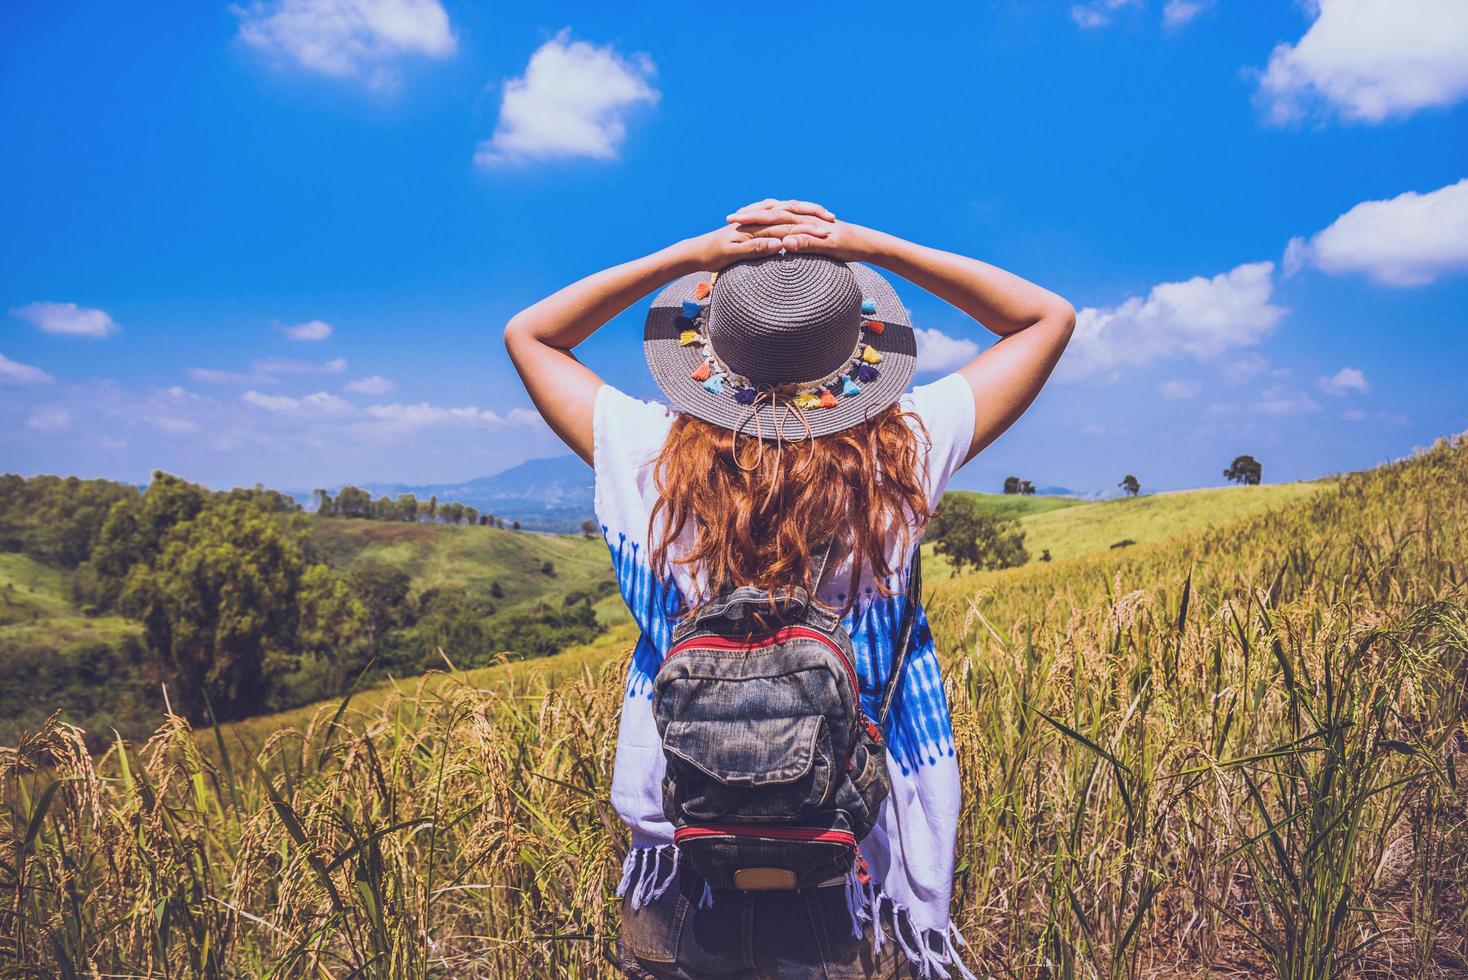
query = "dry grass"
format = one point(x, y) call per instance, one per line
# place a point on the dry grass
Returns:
point(1234, 753)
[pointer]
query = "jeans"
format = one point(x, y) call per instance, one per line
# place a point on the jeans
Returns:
point(749, 935)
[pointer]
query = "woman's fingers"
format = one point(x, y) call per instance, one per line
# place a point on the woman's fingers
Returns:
point(802, 243)
point(781, 229)
point(755, 246)
point(762, 209)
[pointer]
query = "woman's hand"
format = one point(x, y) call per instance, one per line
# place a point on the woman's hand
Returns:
point(801, 226)
point(714, 251)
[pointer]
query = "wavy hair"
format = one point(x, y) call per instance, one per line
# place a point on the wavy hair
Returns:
point(757, 517)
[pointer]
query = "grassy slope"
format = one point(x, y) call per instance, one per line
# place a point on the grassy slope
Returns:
point(36, 611)
point(474, 558)
point(1014, 505)
point(1083, 529)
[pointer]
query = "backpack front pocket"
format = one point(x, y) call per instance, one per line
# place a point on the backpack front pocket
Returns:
point(749, 768)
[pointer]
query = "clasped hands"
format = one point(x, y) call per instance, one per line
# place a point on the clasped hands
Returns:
point(765, 227)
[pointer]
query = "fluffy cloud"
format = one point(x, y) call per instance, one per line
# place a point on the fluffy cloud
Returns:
point(348, 38)
point(404, 418)
point(1370, 60)
point(1178, 390)
point(321, 403)
point(1276, 400)
point(1343, 382)
point(286, 365)
point(1201, 317)
point(1098, 13)
point(16, 373)
point(572, 101)
point(49, 418)
point(936, 351)
point(373, 384)
point(1176, 13)
point(1409, 240)
point(310, 330)
point(67, 319)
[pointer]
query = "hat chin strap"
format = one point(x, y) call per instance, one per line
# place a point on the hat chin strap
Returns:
point(768, 395)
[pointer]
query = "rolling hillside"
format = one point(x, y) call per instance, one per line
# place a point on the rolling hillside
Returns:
point(1211, 754)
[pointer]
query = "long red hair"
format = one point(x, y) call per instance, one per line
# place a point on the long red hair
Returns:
point(756, 518)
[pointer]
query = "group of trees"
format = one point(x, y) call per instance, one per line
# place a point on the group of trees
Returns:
point(1013, 484)
point(965, 534)
point(407, 508)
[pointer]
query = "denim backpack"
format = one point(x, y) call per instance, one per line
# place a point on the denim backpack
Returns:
point(774, 772)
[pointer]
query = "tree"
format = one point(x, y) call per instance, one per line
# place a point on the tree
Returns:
point(219, 607)
point(353, 502)
point(1013, 484)
point(1130, 484)
point(1245, 470)
point(515, 526)
point(966, 535)
point(589, 529)
point(407, 507)
point(324, 503)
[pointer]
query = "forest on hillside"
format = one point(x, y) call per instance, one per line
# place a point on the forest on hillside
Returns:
point(224, 600)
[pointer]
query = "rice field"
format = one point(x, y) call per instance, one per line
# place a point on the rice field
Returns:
point(1234, 752)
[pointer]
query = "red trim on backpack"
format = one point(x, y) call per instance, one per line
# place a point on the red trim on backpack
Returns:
point(765, 831)
point(764, 642)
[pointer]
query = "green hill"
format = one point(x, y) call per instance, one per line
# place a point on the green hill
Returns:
point(477, 559)
point(1074, 528)
point(36, 611)
point(1017, 505)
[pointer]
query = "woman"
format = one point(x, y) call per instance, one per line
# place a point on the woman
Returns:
point(787, 358)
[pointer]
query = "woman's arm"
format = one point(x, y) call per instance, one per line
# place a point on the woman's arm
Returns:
point(1033, 324)
point(539, 339)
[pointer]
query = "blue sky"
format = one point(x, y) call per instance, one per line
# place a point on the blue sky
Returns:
point(277, 242)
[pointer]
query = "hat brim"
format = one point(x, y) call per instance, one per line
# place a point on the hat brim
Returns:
point(672, 365)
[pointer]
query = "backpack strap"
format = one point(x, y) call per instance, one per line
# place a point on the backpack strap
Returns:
point(914, 594)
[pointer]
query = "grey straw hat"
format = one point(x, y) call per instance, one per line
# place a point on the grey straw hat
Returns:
point(799, 345)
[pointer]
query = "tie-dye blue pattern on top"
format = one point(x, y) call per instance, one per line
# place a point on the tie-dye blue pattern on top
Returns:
point(918, 729)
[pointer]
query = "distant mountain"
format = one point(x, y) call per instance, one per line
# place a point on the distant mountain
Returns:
point(1058, 492)
point(542, 494)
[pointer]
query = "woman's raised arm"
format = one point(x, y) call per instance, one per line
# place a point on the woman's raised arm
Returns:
point(540, 338)
point(1033, 324)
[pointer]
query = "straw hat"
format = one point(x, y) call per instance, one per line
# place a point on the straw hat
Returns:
point(788, 346)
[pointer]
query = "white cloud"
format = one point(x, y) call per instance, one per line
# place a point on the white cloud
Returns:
point(321, 403)
point(14, 372)
point(1353, 415)
point(1275, 400)
point(1178, 390)
point(401, 418)
point(936, 351)
point(49, 418)
point(1343, 382)
point(572, 101)
point(1244, 368)
point(67, 319)
point(1201, 317)
point(286, 365)
point(1409, 240)
point(213, 377)
point(373, 384)
point(1098, 13)
point(310, 330)
point(1176, 13)
point(348, 38)
point(1370, 60)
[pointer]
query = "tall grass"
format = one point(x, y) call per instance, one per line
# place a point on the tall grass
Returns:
point(1232, 752)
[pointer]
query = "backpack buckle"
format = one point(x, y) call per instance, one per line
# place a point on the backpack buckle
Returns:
point(764, 880)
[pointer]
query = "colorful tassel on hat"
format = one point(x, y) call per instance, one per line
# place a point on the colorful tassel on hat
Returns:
point(691, 309)
point(745, 396)
point(828, 400)
point(702, 372)
point(870, 355)
point(688, 338)
point(805, 400)
point(849, 387)
point(874, 326)
point(865, 373)
point(714, 383)
point(701, 289)
point(869, 306)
